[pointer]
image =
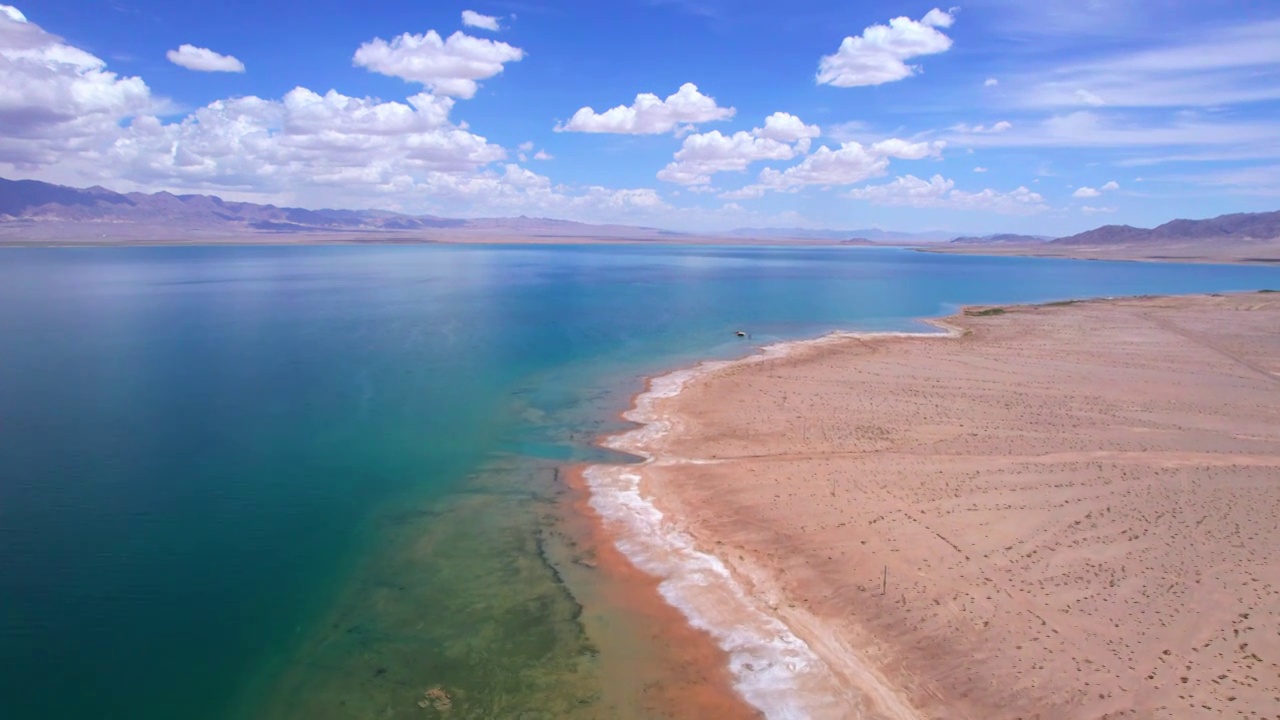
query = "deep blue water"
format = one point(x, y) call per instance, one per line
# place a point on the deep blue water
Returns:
point(193, 440)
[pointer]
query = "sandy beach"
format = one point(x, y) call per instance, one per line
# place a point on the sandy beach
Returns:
point(1062, 511)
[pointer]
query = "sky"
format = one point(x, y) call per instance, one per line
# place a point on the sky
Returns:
point(1046, 117)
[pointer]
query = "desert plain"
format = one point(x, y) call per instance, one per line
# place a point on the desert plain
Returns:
point(1058, 511)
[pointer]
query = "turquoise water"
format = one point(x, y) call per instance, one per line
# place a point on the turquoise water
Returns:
point(288, 482)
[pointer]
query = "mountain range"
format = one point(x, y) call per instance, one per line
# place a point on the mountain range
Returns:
point(33, 210)
point(37, 211)
point(1239, 227)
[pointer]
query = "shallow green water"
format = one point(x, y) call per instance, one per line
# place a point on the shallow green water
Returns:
point(313, 482)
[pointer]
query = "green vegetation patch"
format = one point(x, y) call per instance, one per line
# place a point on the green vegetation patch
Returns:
point(985, 313)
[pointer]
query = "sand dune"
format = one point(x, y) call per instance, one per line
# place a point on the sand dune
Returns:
point(1077, 508)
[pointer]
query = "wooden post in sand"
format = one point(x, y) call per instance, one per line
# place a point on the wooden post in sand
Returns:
point(884, 584)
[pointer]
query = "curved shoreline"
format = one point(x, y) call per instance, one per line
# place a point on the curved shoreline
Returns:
point(779, 668)
point(979, 528)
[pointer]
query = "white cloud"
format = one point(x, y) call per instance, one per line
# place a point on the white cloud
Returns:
point(851, 130)
point(940, 192)
point(65, 118)
point(56, 98)
point(747, 193)
point(998, 127)
point(204, 60)
point(649, 114)
point(303, 140)
point(1090, 210)
point(1084, 97)
point(525, 146)
point(1088, 128)
point(703, 155)
point(1257, 180)
point(990, 82)
point(938, 18)
point(979, 169)
point(905, 150)
point(1212, 67)
point(787, 128)
point(447, 67)
point(471, 18)
point(783, 137)
point(1088, 192)
point(543, 155)
point(878, 55)
point(849, 164)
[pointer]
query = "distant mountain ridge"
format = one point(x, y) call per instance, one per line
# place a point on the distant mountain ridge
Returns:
point(866, 234)
point(1001, 239)
point(30, 209)
point(1234, 228)
point(34, 200)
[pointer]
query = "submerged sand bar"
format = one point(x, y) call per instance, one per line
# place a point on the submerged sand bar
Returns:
point(1077, 508)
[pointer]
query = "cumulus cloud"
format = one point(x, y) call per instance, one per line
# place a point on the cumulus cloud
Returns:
point(471, 18)
point(1090, 210)
point(543, 155)
point(448, 67)
point(879, 55)
point(703, 155)
point(979, 169)
point(905, 150)
point(1088, 192)
point(783, 137)
point(787, 128)
point(990, 82)
point(56, 98)
point(204, 60)
point(303, 139)
point(65, 118)
point(940, 192)
point(649, 114)
point(850, 163)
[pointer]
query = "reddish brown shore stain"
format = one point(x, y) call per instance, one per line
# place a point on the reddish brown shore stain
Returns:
point(684, 673)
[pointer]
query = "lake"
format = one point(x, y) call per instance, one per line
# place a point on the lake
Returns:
point(242, 482)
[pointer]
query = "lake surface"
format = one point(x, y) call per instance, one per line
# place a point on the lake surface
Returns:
point(279, 482)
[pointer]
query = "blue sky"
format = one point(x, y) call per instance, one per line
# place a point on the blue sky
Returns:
point(995, 115)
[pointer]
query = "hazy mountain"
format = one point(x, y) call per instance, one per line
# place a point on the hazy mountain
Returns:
point(1224, 228)
point(1001, 239)
point(32, 210)
point(37, 201)
point(873, 234)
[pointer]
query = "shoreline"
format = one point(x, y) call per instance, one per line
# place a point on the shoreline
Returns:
point(1270, 256)
point(784, 658)
point(768, 660)
point(1267, 256)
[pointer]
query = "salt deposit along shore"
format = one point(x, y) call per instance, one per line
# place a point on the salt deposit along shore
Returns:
point(1058, 511)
